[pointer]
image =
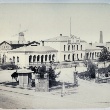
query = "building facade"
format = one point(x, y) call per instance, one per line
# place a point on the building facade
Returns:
point(72, 48)
point(32, 55)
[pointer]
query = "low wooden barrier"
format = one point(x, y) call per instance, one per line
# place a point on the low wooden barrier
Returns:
point(103, 79)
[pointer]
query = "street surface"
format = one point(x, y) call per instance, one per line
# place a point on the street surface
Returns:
point(87, 95)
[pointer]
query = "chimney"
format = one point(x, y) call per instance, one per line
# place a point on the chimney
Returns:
point(101, 37)
point(28, 42)
point(10, 42)
point(60, 34)
point(42, 43)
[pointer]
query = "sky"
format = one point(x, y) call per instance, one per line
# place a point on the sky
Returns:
point(48, 20)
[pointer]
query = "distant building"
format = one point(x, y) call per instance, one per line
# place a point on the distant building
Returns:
point(32, 55)
point(5, 46)
point(69, 48)
point(73, 48)
point(108, 46)
point(92, 52)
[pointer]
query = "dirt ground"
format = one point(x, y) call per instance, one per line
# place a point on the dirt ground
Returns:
point(87, 95)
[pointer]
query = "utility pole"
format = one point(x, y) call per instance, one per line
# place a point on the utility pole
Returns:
point(70, 26)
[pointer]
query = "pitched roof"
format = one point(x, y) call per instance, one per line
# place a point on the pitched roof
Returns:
point(92, 47)
point(4, 42)
point(58, 39)
point(38, 49)
point(33, 42)
point(61, 39)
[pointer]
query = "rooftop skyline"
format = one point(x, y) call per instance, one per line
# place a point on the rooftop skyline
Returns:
point(43, 21)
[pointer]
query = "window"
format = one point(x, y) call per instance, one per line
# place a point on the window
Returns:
point(72, 47)
point(69, 57)
point(77, 47)
point(77, 57)
point(17, 59)
point(64, 47)
point(45, 57)
point(38, 58)
point(90, 55)
point(81, 55)
point(34, 58)
point(30, 58)
point(49, 57)
point(13, 59)
point(95, 54)
point(68, 47)
point(81, 47)
point(53, 56)
point(64, 57)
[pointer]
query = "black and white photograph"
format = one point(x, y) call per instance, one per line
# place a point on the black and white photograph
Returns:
point(55, 54)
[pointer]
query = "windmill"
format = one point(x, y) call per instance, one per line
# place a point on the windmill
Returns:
point(21, 38)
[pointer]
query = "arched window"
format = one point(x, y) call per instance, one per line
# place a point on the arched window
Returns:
point(77, 47)
point(49, 57)
point(53, 56)
point(81, 47)
point(17, 59)
point(64, 47)
point(30, 58)
point(38, 58)
point(34, 58)
point(42, 59)
point(68, 47)
point(45, 57)
point(64, 57)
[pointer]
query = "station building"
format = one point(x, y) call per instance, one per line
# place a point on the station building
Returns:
point(32, 55)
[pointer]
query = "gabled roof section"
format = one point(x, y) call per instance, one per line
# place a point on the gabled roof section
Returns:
point(58, 39)
point(33, 42)
point(4, 42)
point(62, 39)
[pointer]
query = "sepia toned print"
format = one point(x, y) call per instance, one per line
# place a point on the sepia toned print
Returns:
point(54, 56)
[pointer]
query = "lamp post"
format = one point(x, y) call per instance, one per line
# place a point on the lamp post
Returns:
point(75, 77)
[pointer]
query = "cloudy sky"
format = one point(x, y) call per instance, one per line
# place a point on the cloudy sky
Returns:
point(48, 20)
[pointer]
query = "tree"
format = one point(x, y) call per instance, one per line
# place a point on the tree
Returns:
point(91, 69)
point(105, 55)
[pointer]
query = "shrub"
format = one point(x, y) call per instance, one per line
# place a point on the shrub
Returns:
point(8, 67)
